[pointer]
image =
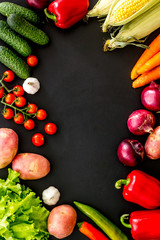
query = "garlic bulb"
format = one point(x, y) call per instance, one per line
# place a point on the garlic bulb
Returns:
point(31, 85)
point(50, 196)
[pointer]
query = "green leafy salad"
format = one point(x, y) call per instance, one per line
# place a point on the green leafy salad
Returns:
point(22, 215)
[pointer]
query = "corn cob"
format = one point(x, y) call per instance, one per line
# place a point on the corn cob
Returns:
point(101, 9)
point(123, 11)
point(135, 30)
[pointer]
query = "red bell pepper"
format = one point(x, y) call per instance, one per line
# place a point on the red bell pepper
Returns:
point(91, 232)
point(141, 188)
point(144, 224)
point(66, 13)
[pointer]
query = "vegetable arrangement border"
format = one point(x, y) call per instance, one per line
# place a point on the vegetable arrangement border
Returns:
point(130, 152)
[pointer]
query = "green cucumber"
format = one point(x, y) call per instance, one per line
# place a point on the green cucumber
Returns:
point(13, 62)
point(7, 8)
point(27, 30)
point(15, 41)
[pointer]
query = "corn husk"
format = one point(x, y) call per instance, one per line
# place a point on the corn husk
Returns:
point(101, 9)
point(111, 21)
point(137, 29)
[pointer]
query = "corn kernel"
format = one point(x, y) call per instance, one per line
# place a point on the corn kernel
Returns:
point(127, 8)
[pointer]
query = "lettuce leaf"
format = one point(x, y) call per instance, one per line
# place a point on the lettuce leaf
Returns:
point(22, 215)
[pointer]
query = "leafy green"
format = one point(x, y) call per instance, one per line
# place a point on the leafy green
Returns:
point(22, 215)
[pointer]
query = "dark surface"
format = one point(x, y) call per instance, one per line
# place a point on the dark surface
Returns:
point(88, 94)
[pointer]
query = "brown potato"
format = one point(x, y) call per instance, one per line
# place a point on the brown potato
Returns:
point(61, 221)
point(8, 146)
point(152, 145)
point(31, 166)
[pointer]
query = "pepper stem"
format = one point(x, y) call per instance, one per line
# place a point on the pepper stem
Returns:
point(50, 15)
point(79, 225)
point(123, 218)
point(121, 182)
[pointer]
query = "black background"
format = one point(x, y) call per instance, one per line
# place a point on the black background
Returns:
point(88, 94)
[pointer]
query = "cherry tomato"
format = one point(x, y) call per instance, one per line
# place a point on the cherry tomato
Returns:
point(10, 98)
point(32, 108)
point(32, 61)
point(8, 113)
point(41, 114)
point(50, 128)
point(1, 92)
point(29, 124)
point(38, 139)
point(18, 91)
point(20, 101)
point(19, 118)
point(9, 76)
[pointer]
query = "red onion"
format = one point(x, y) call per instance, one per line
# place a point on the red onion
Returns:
point(130, 152)
point(141, 121)
point(150, 97)
point(38, 4)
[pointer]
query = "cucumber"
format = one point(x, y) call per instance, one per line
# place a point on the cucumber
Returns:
point(15, 41)
point(27, 30)
point(13, 62)
point(7, 8)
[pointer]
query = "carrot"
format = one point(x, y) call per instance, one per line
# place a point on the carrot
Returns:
point(154, 47)
point(150, 64)
point(147, 77)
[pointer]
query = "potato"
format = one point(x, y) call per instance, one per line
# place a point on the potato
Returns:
point(61, 221)
point(152, 145)
point(8, 146)
point(31, 166)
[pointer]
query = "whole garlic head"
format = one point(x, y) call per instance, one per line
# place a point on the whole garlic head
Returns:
point(31, 85)
point(50, 196)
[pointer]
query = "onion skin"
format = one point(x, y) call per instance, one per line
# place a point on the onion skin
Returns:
point(152, 145)
point(38, 4)
point(130, 152)
point(140, 122)
point(150, 97)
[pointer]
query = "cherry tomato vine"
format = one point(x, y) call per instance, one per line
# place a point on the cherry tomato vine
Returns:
point(16, 108)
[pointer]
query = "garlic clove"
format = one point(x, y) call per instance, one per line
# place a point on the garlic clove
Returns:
point(31, 85)
point(50, 196)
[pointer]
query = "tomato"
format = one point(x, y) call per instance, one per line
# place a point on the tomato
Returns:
point(32, 61)
point(19, 118)
point(29, 124)
point(18, 91)
point(9, 98)
point(20, 101)
point(41, 114)
point(50, 128)
point(9, 76)
point(8, 113)
point(32, 108)
point(38, 139)
point(1, 92)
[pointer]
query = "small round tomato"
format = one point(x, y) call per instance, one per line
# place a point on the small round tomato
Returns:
point(18, 90)
point(50, 128)
point(8, 113)
point(9, 99)
point(19, 118)
point(20, 101)
point(29, 124)
point(38, 139)
point(8, 76)
point(1, 92)
point(32, 61)
point(41, 114)
point(32, 108)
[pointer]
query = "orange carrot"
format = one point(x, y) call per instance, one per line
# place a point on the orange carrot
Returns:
point(154, 47)
point(150, 64)
point(147, 77)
